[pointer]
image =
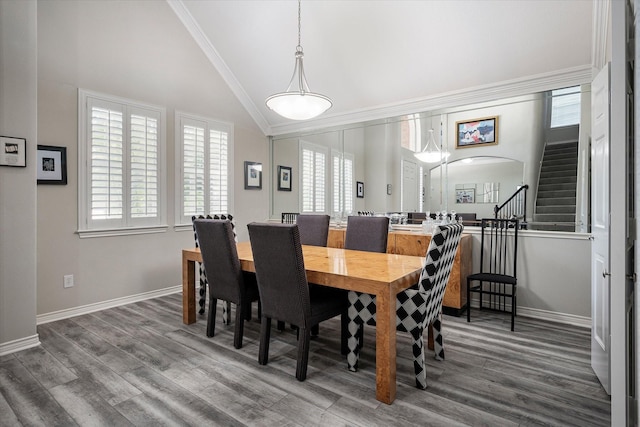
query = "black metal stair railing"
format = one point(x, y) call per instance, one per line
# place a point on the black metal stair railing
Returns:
point(515, 207)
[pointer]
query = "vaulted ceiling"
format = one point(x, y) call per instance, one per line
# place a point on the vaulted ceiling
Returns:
point(381, 58)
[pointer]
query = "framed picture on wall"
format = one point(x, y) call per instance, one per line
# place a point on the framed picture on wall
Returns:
point(477, 132)
point(252, 176)
point(51, 165)
point(359, 189)
point(284, 178)
point(13, 151)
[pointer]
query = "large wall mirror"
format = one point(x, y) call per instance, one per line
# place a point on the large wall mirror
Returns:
point(371, 167)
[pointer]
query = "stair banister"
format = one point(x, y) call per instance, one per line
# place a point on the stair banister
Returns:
point(514, 206)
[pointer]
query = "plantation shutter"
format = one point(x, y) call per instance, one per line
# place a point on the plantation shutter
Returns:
point(313, 175)
point(144, 167)
point(193, 168)
point(218, 171)
point(106, 159)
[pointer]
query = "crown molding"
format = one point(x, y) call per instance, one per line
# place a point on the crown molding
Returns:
point(601, 19)
point(214, 57)
point(505, 89)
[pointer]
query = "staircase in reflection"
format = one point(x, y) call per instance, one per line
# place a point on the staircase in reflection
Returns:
point(555, 207)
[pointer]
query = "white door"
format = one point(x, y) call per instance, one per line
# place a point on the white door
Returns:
point(410, 195)
point(600, 289)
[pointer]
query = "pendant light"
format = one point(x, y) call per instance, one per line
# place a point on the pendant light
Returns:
point(298, 103)
point(431, 153)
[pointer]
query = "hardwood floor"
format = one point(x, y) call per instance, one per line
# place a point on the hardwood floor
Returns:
point(139, 365)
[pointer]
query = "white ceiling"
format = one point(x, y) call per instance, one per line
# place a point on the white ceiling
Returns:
point(380, 58)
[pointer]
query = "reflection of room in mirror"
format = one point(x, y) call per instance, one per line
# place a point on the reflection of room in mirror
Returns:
point(489, 192)
point(372, 152)
point(465, 193)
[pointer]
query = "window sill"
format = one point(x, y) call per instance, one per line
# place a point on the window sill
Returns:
point(110, 232)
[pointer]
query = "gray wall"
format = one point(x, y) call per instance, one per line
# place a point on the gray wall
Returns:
point(18, 105)
point(140, 51)
point(554, 275)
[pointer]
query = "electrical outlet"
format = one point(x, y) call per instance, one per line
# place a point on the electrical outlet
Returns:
point(68, 281)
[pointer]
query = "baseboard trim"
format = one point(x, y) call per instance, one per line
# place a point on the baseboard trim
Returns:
point(90, 308)
point(552, 316)
point(19, 344)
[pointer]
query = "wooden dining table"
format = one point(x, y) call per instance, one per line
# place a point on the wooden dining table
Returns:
point(379, 274)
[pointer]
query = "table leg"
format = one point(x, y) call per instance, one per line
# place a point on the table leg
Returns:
point(188, 290)
point(386, 347)
point(430, 336)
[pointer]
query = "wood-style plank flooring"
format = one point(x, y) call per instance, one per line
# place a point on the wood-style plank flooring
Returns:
point(139, 365)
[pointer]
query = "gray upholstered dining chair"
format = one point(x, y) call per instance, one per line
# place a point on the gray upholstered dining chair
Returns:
point(367, 233)
point(314, 229)
point(284, 291)
point(226, 279)
point(416, 307)
point(226, 307)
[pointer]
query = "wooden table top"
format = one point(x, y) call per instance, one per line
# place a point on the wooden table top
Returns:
point(353, 270)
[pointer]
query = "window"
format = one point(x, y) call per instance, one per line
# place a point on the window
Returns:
point(565, 107)
point(121, 166)
point(410, 132)
point(342, 173)
point(204, 156)
point(313, 167)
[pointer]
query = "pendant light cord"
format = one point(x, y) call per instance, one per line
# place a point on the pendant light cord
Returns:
point(299, 44)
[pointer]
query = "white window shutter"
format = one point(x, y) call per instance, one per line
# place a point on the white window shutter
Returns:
point(204, 150)
point(120, 166)
point(193, 167)
point(143, 167)
point(106, 160)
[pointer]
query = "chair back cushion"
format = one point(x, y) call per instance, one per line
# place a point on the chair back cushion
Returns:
point(438, 264)
point(367, 233)
point(440, 255)
point(282, 280)
point(215, 216)
point(220, 258)
point(314, 229)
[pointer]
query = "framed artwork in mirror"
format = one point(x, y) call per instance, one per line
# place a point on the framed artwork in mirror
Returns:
point(360, 189)
point(51, 163)
point(472, 133)
point(252, 176)
point(467, 195)
point(284, 178)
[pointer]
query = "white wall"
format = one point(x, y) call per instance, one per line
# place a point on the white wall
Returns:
point(554, 275)
point(507, 174)
point(18, 112)
point(137, 50)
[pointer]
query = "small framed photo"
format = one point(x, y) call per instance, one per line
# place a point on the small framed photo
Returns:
point(13, 151)
point(359, 189)
point(467, 195)
point(284, 178)
point(52, 165)
point(477, 132)
point(252, 176)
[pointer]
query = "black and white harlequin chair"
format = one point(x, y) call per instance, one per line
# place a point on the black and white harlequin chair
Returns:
point(416, 307)
point(226, 306)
